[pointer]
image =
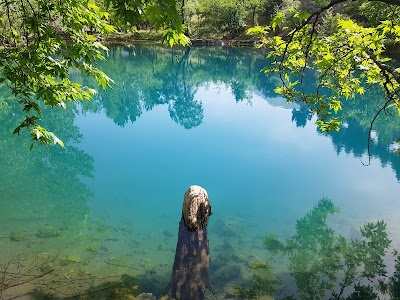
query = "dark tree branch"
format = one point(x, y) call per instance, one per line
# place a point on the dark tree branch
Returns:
point(283, 288)
point(393, 11)
point(9, 20)
point(318, 12)
point(33, 277)
point(394, 2)
point(315, 14)
point(327, 70)
point(370, 130)
point(384, 67)
point(307, 51)
point(385, 70)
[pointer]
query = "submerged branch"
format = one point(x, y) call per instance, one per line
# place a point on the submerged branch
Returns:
point(8, 286)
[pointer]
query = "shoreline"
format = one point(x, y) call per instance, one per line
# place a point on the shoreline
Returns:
point(129, 39)
point(156, 39)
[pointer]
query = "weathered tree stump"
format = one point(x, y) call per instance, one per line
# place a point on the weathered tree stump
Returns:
point(190, 271)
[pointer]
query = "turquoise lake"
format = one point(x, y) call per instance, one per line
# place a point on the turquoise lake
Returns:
point(103, 212)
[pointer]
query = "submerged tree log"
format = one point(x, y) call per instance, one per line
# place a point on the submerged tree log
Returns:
point(190, 271)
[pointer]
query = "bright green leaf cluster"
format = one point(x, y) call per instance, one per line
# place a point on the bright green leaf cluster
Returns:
point(42, 42)
point(343, 63)
point(176, 36)
point(160, 14)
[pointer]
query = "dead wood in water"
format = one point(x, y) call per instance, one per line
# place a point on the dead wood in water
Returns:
point(190, 271)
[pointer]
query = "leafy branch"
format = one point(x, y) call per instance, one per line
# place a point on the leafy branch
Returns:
point(345, 61)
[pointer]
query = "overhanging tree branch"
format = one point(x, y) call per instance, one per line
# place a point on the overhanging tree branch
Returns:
point(384, 67)
point(371, 127)
point(318, 12)
point(354, 34)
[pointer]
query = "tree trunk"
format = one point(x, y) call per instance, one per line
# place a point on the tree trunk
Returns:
point(183, 17)
point(190, 271)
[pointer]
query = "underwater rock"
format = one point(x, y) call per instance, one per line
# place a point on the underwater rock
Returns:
point(238, 258)
point(47, 268)
point(225, 273)
point(226, 249)
point(94, 248)
point(167, 298)
point(168, 234)
point(104, 249)
point(48, 232)
point(126, 293)
point(113, 239)
point(16, 236)
point(78, 273)
point(135, 243)
point(32, 243)
point(144, 262)
point(162, 246)
point(229, 295)
point(69, 259)
point(145, 296)
point(228, 228)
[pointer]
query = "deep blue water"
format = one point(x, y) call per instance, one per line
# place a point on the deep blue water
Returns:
point(110, 201)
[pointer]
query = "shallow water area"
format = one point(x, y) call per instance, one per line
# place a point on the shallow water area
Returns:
point(101, 215)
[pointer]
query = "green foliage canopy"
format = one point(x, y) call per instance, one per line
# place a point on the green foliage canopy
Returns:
point(42, 42)
point(225, 15)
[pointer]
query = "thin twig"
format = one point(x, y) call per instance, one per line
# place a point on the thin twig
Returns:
point(27, 280)
point(370, 131)
point(306, 52)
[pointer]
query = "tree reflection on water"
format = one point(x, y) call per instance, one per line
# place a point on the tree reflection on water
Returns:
point(148, 76)
point(322, 264)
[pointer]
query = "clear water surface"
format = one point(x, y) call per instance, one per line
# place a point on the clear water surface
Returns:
point(103, 212)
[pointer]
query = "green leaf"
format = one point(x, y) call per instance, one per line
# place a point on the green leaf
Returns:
point(258, 30)
point(15, 33)
point(277, 20)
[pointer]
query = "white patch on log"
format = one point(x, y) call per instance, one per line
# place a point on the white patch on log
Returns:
point(196, 208)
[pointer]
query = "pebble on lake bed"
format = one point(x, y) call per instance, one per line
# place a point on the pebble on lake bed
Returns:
point(48, 232)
